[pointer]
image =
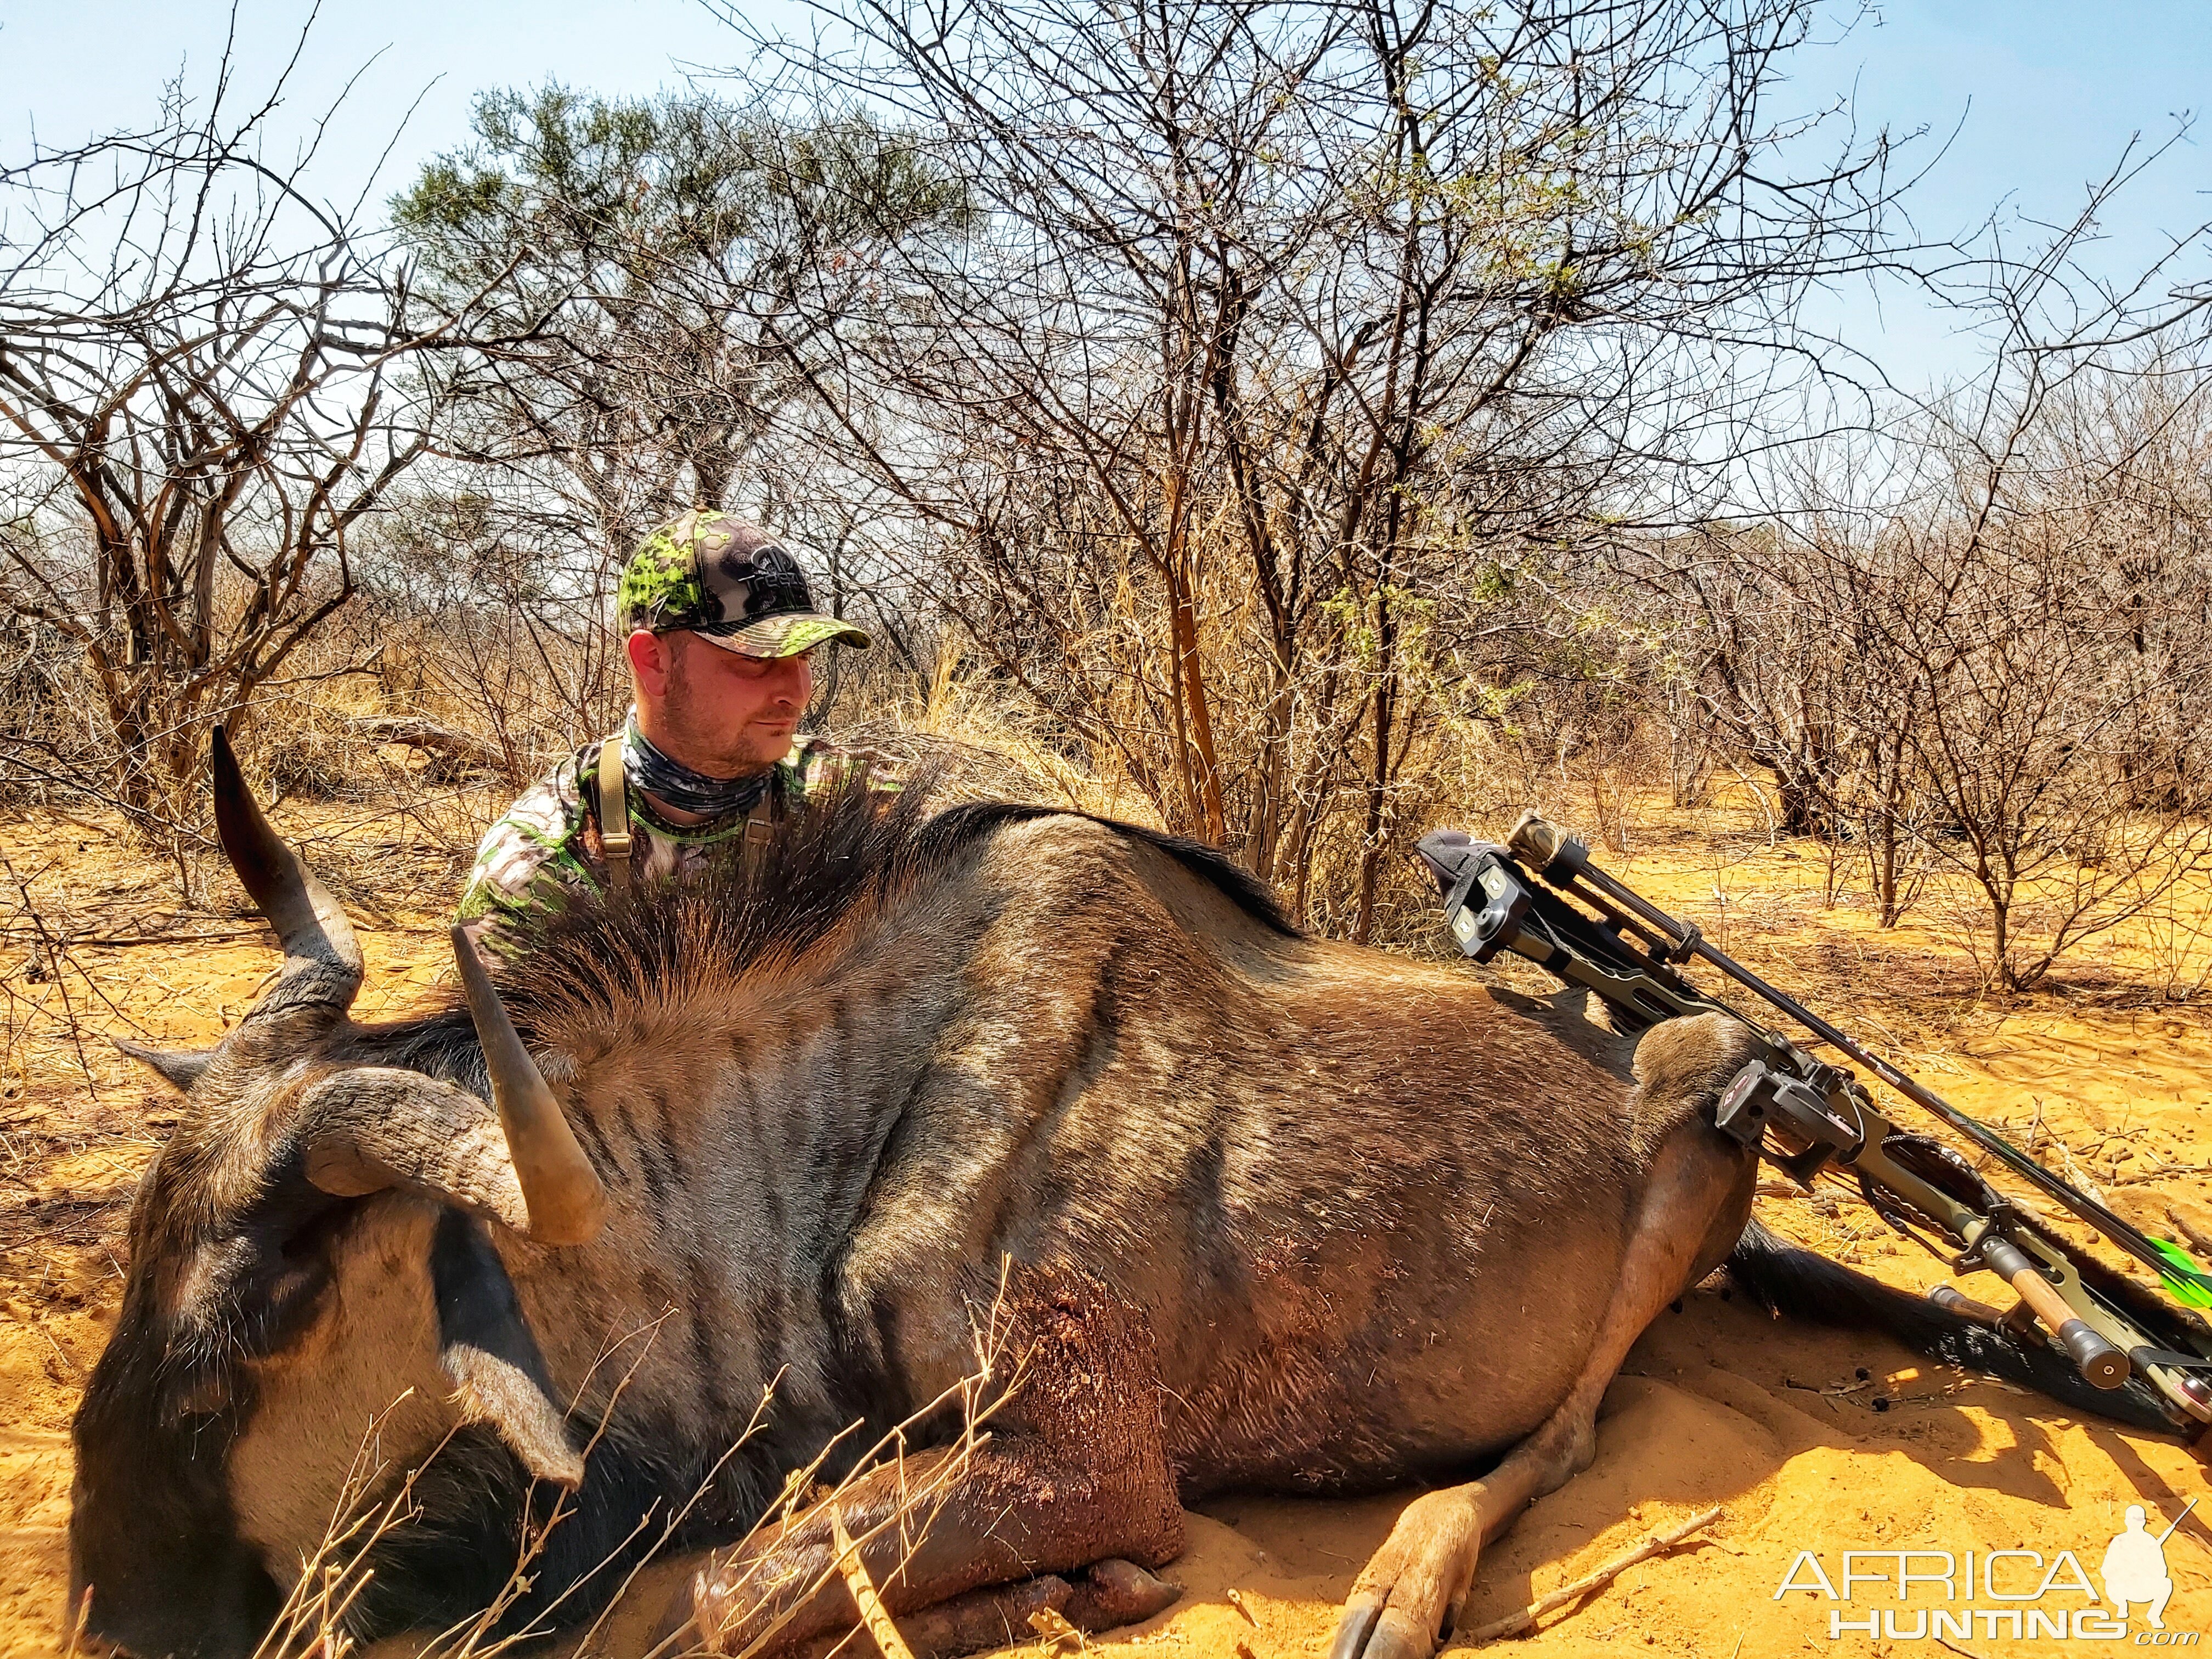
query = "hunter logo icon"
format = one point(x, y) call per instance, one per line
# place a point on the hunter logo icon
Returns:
point(756, 581)
point(2134, 1569)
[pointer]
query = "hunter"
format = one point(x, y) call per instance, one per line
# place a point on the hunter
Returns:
point(720, 630)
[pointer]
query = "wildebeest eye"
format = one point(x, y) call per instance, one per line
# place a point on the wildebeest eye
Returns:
point(313, 1233)
point(251, 1296)
point(203, 1397)
point(289, 1267)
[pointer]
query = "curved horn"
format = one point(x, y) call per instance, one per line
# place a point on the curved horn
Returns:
point(322, 963)
point(567, 1202)
point(369, 1128)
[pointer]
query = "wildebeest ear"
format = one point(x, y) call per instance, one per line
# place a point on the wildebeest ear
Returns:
point(180, 1068)
point(498, 1375)
point(369, 1128)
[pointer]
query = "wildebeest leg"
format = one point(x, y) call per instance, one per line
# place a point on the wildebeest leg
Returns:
point(1414, 1586)
point(1073, 1472)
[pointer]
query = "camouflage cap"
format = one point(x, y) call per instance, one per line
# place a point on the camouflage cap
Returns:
point(728, 582)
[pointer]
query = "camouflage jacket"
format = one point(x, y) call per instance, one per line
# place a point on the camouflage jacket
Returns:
point(546, 849)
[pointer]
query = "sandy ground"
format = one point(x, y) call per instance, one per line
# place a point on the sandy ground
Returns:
point(1808, 1440)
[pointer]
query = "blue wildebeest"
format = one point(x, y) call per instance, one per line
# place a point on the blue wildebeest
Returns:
point(1349, 1221)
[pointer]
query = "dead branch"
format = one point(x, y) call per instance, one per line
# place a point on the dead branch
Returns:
point(873, 1614)
point(1657, 1544)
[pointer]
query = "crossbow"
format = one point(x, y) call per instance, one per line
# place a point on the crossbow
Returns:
point(1541, 898)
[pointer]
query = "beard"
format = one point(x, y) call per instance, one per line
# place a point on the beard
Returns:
point(703, 736)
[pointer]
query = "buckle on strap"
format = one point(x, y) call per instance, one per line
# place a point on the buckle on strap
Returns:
point(614, 814)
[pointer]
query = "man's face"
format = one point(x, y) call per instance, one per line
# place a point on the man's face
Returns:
point(720, 712)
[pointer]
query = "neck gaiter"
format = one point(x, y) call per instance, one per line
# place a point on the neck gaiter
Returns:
point(669, 780)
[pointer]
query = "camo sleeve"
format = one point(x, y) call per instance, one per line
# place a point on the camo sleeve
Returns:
point(823, 762)
point(529, 861)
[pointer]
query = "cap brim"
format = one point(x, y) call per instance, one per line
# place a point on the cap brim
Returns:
point(786, 636)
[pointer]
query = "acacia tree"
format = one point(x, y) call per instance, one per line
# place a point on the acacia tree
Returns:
point(199, 401)
point(1282, 324)
point(646, 273)
point(2064, 662)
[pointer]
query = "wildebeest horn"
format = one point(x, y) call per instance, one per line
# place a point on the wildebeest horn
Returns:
point(369, 1128)
point(567, 1202)
point(322, 963)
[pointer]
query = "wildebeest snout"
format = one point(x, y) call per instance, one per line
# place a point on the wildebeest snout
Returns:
point(152, 1536)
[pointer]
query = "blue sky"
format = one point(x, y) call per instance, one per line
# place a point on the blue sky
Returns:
point(73, 67)
point(2044, 96)
point(2030, 101)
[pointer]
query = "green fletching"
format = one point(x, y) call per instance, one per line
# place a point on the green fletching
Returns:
point(2190, 1283)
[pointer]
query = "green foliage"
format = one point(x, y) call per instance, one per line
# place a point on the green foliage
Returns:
point(556, 174)
point(650, 276)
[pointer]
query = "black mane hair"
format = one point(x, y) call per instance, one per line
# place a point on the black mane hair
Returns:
point(847, 843)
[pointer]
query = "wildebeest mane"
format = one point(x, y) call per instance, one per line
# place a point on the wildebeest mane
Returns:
point(848, 844)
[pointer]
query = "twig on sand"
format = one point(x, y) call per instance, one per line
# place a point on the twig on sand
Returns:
point(2163, 1172)
point(892, 1644)
point(1514, 1624)
point(115, 940)
point(24, 1316)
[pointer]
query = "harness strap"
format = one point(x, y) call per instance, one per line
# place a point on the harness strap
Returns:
point(614, 815)
point(760, 822)
point(614, 820)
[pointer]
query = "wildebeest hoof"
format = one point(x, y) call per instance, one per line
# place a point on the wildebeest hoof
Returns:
point(1404, 1599)
point(1114, 1593)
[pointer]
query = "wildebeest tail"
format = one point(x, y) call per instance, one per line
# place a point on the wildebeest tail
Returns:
point(1804, 1285)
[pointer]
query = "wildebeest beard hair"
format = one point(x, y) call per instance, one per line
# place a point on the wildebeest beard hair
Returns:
point(587, 964)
